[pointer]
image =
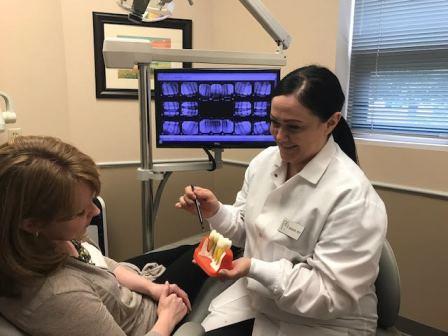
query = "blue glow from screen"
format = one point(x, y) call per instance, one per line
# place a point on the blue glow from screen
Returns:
point(214, 107)
point(221, 76)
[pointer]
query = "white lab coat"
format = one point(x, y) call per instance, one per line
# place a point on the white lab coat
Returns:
point(317, 277)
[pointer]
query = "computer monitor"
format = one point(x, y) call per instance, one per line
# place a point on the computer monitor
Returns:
point(214, 108)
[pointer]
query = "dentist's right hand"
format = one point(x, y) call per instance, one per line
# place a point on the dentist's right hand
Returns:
point(208, 202)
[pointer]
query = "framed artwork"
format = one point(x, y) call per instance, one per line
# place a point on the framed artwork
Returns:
point(123, 83)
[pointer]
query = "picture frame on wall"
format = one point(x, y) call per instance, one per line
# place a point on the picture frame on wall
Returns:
point(123, 83)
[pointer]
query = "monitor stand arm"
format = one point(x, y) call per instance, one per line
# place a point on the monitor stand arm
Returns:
point(149, 171)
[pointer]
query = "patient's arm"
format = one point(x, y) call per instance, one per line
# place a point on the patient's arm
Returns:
point(75, 313)
point(139, 284)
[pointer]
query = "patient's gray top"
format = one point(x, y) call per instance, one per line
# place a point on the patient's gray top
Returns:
point(81, 299)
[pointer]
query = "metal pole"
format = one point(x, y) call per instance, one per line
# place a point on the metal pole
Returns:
point(144, 93)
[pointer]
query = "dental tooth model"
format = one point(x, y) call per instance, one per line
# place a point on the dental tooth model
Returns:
point(214, 253)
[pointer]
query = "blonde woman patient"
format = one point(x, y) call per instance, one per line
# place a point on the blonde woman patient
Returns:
point(52, 280)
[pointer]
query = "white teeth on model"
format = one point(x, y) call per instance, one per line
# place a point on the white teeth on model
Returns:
point(212, 238)
point(217, 245)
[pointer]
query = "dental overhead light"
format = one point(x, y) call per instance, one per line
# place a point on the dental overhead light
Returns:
point(9, 115)
point(149, 10)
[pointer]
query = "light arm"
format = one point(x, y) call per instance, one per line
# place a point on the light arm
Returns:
point(268, 22)
point(259, 11)
point(255, 7)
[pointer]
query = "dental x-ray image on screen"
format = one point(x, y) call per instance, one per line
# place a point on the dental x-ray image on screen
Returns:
point(214, 108)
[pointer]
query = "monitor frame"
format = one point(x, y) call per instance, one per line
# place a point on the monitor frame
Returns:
point(211, 143)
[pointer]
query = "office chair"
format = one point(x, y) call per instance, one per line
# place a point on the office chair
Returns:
point(97, 230)
point(388, 293)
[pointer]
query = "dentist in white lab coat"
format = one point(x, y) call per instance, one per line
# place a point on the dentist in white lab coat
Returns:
point(310, 222)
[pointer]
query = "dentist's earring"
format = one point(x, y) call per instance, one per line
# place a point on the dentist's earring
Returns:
point(36, 234)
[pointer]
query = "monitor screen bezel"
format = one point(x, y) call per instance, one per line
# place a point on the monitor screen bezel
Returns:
point(205, 144)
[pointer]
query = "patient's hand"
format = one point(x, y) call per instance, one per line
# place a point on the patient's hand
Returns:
point(157, 289)
point(170, 311)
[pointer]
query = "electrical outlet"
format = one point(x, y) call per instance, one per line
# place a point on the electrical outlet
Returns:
point(13, 132)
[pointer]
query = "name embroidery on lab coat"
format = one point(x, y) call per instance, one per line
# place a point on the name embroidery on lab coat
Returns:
point(291, 229)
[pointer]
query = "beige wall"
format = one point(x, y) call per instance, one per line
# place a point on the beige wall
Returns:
point(413, 167)
point(32, 66)
point(46, 65)
point(121, 192)
point(418, 232)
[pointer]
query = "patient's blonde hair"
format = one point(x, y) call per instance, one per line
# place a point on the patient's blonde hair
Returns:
point(38, 176)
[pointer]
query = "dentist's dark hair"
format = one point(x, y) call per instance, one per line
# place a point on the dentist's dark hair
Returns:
point(319, 90)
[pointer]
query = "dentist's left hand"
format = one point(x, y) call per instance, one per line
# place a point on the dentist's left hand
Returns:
point(240, 269)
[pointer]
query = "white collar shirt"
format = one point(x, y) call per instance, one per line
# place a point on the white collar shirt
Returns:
point(315, 241)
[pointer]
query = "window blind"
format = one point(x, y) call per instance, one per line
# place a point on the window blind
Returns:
point(399, 68)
